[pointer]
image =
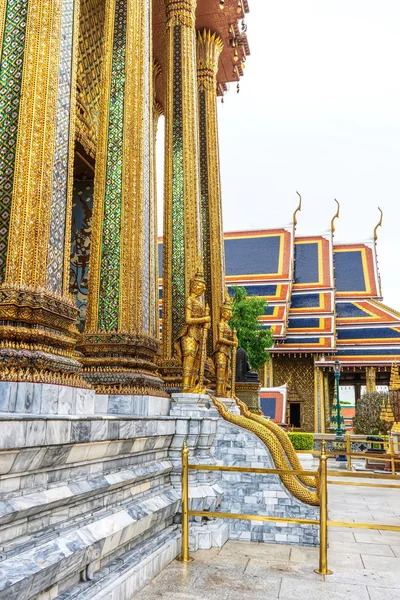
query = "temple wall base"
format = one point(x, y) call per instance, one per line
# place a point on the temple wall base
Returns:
point(252, 493)
point(49, 399)
point(45, 399)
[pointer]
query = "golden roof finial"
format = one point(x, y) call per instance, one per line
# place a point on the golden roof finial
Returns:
point(336, 216)
point(297, 210)
point(378, 225)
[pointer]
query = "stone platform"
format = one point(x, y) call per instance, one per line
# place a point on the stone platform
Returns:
point(90, 496)
point(365, 562)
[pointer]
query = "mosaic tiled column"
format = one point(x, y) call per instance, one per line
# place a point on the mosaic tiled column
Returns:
point(157, 112)
point(38, 43)
point(209, 47)
point(182, 237)
point(119, 342)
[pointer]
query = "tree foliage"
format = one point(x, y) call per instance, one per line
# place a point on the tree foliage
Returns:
point(251, 336)
point(368, 409)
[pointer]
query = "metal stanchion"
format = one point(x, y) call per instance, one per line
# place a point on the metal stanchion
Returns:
point(185, 505)
point(323, 514)
point(348, 450)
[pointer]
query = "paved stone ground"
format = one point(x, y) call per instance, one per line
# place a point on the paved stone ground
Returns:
point(365, 562)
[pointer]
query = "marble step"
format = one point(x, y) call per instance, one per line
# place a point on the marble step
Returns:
point(73, 520)
point(69, 503)
point(25, 575)
point(127, 574)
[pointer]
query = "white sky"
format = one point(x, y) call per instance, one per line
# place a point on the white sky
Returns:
point(319, 112)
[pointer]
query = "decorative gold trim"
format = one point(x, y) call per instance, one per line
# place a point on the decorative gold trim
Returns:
point(34, 375)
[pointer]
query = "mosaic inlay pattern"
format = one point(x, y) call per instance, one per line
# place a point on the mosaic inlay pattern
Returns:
point(110, 260)
point(82, 206)
point(178, 230)
point(12, 54)
point(91, 24)
point(147, 183)
point(205, 217)
point(60, 172)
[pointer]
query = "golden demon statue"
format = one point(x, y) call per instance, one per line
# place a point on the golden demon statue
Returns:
point(226, 340)
point(192, 340)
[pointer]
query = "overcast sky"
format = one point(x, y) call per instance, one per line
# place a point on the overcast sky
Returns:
point(319, 112)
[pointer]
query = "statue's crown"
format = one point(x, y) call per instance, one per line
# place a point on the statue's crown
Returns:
point(199, 275)
point(228, 299)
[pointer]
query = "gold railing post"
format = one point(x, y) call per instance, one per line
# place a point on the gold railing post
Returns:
point(185, 504)
point(323, 514)
point(348, 450)
point(392, 460)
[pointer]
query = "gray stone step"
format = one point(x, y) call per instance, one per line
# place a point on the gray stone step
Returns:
point(24, 576)
point(65, 499)
point(130, 572)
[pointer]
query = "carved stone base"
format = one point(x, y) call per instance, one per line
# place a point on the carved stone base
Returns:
point(249, 393)
point(121, 364)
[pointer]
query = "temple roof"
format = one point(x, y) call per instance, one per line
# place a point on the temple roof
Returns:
point(224, 22)
point(324, 297)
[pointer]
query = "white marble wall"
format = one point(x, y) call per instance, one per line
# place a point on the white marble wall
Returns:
point(45, 399)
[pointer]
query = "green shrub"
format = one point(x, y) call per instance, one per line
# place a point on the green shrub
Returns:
point(367, 420)
point(302, 441)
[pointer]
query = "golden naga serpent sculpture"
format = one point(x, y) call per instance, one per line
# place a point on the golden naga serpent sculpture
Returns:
point(283, 439)
point(278, 456)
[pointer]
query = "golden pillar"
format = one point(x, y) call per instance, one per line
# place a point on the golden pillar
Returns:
point(209, 47)
point(319, 401)
point(38, 42)
point(157, 112)
point(370, 376)
point(182, 236)
point(120, 338)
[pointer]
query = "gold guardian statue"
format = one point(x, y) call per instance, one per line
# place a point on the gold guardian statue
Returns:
point(191, 342)
point(226, 340)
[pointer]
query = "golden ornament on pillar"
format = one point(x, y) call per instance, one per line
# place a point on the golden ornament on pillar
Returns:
point(226, 339)
point(191, 342)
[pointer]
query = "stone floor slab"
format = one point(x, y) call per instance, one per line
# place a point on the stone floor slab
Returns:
point(360, 548)
point(383, 593)
point(306, 590)
point(382, 563)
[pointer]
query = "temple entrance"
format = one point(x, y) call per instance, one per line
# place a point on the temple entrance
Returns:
point(295, 414)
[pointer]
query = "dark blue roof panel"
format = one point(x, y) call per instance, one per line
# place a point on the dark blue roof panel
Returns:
point(367, 333)
point(303, 323)
point(349, 310)
point(305, 301)
point(257, 290)
point(306, 263)
point(252, 256)
point(349, 271)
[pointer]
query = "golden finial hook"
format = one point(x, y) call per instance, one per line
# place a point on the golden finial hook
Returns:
point(297, 210)
point(378, 225)
point(335, 217)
